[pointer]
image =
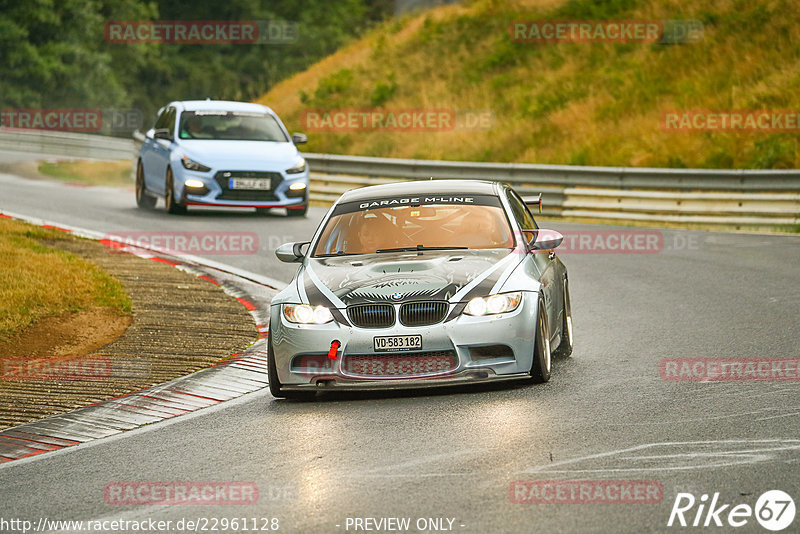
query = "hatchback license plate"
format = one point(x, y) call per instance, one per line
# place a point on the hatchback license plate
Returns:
point(250, 183)
point(390, 343)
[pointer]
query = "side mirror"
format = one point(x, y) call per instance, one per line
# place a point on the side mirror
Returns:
point(291, 252)
point(299, 139)
point(547, 240)
point(162, 133)
point(543, 239)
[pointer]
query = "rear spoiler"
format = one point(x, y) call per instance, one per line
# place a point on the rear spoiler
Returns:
point(534, 201)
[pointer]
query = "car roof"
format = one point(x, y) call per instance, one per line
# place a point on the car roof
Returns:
point(221, 105)
point(424, 187)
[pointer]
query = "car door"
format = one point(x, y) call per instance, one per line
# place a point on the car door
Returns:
point(156, 152)
point(147, 152)
point(545, 264)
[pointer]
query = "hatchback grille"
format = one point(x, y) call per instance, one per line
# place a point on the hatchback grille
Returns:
point(400, 365)
point(423, 313)
point(371, 315)
point(222, 178)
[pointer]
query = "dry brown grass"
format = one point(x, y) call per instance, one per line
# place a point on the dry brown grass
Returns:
point(37, 280)
point(566, 103)
point(107, 173)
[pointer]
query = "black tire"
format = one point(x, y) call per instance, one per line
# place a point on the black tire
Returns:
point(174, 207)
point(275, 384)
point(564, 349)
point(143, 199)
point(542, 360)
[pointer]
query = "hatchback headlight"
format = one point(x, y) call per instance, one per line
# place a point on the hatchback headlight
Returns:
point(494, 304)
point(298, 167)
point(305, 314)
point(193, 165)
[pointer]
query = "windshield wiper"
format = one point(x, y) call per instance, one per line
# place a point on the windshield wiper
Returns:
point(335, 254)
point(418, 247)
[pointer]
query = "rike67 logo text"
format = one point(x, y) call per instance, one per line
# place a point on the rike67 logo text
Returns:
point(774, 510)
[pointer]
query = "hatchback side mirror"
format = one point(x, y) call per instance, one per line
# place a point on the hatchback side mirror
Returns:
point(162, 133)
point(299, 139)
point(291, 252)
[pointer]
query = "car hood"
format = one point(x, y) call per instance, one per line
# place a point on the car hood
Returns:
point(241, 155)
point(401, 276)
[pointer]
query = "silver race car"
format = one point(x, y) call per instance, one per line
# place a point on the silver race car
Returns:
point(420, 284)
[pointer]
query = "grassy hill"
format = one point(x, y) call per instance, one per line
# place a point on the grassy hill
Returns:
point(564, 103)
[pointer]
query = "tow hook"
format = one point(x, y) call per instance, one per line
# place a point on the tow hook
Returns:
point(334, 349)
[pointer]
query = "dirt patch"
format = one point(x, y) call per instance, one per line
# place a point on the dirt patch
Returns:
point(69, 334)
point(26, 169)
point(180, 324)
point(74, 172)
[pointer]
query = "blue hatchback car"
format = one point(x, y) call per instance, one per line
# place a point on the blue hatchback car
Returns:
point(220, 153)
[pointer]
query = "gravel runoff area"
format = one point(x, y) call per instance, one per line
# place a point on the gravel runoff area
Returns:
point(181, 323)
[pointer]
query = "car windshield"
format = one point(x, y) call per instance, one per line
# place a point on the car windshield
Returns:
point(413, 227)
point(230, 126)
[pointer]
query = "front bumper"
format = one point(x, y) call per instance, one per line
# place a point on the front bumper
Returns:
point(464, 338)
point(213, 194)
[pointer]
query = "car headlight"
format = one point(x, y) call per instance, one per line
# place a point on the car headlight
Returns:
point(298, 167)
point(305, 314)
point(193, 165)
point(494, 304)
point(194, 184)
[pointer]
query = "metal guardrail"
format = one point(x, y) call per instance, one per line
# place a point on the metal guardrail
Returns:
point(752, 199)
point(729, 198)
point(66, 144)
point(562, 175)
point(751, 210)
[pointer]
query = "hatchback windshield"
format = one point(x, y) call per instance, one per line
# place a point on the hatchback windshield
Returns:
point(367, 231)
point(230, 126)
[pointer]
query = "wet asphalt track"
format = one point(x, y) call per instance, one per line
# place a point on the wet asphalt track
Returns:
point(606, 414)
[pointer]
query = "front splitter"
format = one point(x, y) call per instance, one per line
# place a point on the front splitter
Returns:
point(350, 384)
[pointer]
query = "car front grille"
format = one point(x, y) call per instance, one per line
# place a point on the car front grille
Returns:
point(222, 178)
point(371, 315)
point(423, 313)
point(400, 365)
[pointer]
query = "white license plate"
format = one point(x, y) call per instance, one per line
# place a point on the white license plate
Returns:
point(386, 343)
point(250, 183)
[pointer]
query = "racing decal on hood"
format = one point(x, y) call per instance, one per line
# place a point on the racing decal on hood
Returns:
point(316, 296)
point(403, 276)
point(483, 286)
